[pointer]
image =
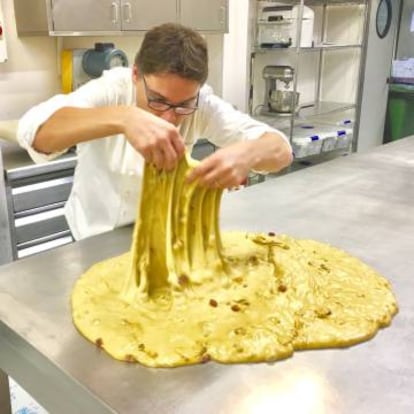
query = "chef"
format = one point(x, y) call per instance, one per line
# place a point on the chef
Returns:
point(150, 113)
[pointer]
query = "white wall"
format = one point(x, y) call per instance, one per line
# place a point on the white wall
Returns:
point(235, 60)
point(31, 73)
point(374, 86)
point(130, 45)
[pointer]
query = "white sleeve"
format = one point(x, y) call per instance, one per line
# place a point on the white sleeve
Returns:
point(98, 92)
point(222, 124)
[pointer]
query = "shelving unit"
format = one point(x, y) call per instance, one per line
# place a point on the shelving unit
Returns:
point(327, 71)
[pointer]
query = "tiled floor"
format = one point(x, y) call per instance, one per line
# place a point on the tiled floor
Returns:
point(22, 402)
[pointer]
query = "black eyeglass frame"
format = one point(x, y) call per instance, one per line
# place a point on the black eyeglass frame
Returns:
point(179, 109)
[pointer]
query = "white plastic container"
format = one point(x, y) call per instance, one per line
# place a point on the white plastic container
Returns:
point(306, 141)
point(312, 139)
point(343, 123)
point(344, 139)
point(304, 147)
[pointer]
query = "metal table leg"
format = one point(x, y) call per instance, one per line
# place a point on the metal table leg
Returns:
point(5, 406)
point(6, 250)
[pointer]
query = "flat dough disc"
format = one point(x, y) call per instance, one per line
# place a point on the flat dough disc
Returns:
point(282, 294)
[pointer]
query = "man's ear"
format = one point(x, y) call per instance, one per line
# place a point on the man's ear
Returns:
point(135, 73)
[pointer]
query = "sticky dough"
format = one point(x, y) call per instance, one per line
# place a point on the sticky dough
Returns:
point(187, 294)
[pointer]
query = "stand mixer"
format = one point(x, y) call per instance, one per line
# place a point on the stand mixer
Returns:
point(278, 100)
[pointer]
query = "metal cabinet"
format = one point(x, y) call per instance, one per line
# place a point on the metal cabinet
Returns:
point(206, 15)
point(32, 199)
point(144, 14)
point(85, 15)
point(109, 17)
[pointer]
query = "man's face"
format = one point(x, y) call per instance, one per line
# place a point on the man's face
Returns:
point(166, 95)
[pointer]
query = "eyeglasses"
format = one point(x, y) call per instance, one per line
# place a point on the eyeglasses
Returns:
point(161, 106)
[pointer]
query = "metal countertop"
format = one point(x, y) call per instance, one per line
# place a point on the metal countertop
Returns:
point(363, 203)
point(17, 162)
point(13, 155)
point(8, 129)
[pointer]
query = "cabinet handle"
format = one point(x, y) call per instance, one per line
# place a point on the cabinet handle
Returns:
point(127, 12)
point(114, 12)
point(222, 15)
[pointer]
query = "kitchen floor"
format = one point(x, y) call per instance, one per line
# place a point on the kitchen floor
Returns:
point(22, 402)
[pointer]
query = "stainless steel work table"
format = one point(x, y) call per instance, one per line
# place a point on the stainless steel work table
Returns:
point(363, 203)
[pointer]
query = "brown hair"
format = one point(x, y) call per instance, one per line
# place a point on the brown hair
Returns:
point(173, 48)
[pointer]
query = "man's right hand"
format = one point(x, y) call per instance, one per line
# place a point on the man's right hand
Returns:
point(157, 140)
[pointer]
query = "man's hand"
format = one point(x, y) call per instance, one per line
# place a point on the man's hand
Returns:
point(226, 168)
point(157, 140)
point(229, 166)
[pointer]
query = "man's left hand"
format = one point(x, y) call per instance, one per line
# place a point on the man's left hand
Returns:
point(226, 168)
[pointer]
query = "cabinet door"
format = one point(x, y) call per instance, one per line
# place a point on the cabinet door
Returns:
point(144, 14)
point(85, 15)
point(205, 15)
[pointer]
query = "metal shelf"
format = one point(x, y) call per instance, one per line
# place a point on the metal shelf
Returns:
point(333, 2)
point(287, 2)
point(329, 47)
point(275, 120)
point(322, 108)
point(325, 42)
point(319, 2)
point(305, 112)
point(276, 22)
point(258, 49)
point(318, 48)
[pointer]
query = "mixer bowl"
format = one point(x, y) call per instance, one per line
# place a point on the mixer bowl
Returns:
point(283, 101)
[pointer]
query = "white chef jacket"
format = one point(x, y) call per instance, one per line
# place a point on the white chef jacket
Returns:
point(108, 175)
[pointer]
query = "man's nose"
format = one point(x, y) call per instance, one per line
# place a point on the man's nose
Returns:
point(170, 116)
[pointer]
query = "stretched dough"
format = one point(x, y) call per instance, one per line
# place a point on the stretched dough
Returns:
point(187, 294)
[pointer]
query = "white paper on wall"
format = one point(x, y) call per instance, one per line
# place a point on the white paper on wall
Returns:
point(403, 68)
point(3, 49)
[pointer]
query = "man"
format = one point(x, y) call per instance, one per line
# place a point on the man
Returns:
point(123, 119)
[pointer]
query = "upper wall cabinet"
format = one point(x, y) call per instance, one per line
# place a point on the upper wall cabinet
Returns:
point(84, 15)
point(99, 17)
point(204, 15)
point(109, 15)
point(144, 14)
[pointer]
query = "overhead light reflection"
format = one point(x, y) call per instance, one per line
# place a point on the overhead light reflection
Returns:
point(297, 393)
